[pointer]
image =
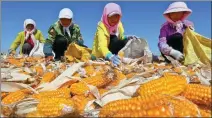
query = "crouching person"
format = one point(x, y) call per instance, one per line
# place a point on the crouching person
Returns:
point(61, 34)
point(29, 40)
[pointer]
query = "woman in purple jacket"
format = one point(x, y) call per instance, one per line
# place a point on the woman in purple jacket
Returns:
point(171, 32)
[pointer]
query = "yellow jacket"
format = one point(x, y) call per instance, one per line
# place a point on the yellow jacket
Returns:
point(102, 40)
point(20, 40)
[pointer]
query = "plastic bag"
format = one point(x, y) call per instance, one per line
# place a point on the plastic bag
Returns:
point(37, 50)
point(197, 48)
point(135, 48)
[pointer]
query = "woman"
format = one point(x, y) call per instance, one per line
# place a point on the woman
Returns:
point(27, 39)
point(109, 37)
point(61, 34)
point(171, 33)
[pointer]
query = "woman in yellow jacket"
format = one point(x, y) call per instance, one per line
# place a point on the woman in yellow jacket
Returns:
point(109, 37)
point(27, 39)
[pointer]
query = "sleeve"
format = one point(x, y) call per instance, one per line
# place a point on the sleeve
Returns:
point(49, 41)
point(189, 24)
point(163, 46)
point(102, 43)
point(80, 40)
point(41, 38)
point(121, 30)
point(16, 43)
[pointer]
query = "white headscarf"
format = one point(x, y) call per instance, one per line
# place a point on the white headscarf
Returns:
point(28, 33)
point(66, 13)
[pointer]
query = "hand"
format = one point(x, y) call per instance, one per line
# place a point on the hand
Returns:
point(114, 59)
point(191, 27)
point(13, 52)
point(131, 37)
point(176, 54)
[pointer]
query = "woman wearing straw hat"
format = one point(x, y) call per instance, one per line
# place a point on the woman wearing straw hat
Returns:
point(61, 34)
point(171, 32)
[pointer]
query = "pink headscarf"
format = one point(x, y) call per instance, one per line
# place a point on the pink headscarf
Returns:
point(110, 8)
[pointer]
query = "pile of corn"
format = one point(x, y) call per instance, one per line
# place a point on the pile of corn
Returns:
point(170, 95)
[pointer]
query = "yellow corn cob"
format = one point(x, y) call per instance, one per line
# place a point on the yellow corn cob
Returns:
point(4, 94)
point(63, 92)
point(79, 89)
point(14, 97)
point(55, 106)
point(205, 114)
point(169, 84)
point(34, 114)
point(198, 94)
point(98, 80)
point(48, 77)
point(15, 62)
point(140, 106)
point(177, 70)
point(183, 107)
point(205, 111)
point(118, 77)
point(90, 70)
point(102, 91)
point(39, 70)
point(80, 102)
point(175, 84)
point(160, 111)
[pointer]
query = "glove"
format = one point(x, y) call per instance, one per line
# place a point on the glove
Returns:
point(114, 59)
point(176, 54)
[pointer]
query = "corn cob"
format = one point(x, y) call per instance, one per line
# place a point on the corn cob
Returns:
point(205, 111)
point(39, 70)
point(34, 114)
point(14, 97)
point(15, 62)
point(177, 70)
point(205, 114)
point(4, 94)
point(63, 93)
point(169, 84)
point(80, 102)
point(55, 106)
point(102, 91)
point(175, 84)
point(48, 77)
point(183, 107)
point(98, 80)
point(139, 106)
point(79, 89)
point(90, 70)
point(198, 94)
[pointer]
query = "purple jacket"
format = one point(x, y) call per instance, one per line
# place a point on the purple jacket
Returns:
point(166, 30)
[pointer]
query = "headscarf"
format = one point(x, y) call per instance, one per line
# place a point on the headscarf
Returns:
point(111, 9)
point(29, 35)
point(66, 13)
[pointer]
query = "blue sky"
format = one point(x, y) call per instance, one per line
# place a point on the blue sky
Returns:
point(143, 19)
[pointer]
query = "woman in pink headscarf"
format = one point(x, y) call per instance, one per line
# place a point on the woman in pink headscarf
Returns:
point(109, 37)
point(171, 32)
